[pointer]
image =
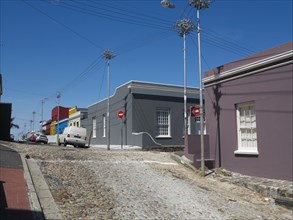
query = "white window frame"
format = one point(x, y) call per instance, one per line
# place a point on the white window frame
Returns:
point(104, 126)
point(165, 110)
point(94, 127)
point(246, 129)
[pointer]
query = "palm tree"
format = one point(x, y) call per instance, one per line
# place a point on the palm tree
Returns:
point(12, 125)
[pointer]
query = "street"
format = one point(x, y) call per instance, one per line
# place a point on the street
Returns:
point(132, 184)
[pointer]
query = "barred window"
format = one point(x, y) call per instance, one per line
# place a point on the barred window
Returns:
point(246, 125)
point(163, 123)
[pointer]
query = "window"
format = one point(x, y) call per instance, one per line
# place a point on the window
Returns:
point(94, 127)
point(246, 126)
point(104, 125)
point(163, 123)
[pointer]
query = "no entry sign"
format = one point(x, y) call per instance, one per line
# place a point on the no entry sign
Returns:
point(121, 114)
point(195, 111)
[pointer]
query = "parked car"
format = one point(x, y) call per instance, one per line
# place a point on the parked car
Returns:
point(41, 139)
point(32, 137)
point(75, 136)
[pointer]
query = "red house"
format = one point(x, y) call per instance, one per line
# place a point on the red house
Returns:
point(63, 113)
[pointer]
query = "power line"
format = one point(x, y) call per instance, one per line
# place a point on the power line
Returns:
point(141, 42)
point(193, 41)
point(223, 45)
point(120, 17)
point(131, 13)
point(84, 74)
point(228, 40)
point(81, 76)
point(63, 25)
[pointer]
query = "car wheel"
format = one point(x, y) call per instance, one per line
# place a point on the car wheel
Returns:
point(65, 143)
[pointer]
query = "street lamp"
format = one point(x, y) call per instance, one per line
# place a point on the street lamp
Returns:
point(31, 125)
point(42, 112)
point(167, 4)
point(183, 27)
point(58, 96)
point(108, 55)
point(200, 4)
point(33, 120)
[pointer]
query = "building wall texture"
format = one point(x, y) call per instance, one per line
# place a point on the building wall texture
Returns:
point(270, 87)
point(139, 101)
point(63, 113)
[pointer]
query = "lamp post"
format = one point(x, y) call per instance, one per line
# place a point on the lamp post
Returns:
point(167, 4)
point(199, 5)
point(183, 27)
point(58, 96)
point(42, 112)
point(33, 127)
point(108, 55)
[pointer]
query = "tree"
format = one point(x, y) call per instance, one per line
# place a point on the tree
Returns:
point(12, 125)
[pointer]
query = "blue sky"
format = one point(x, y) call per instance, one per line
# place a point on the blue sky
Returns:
point(56, 45)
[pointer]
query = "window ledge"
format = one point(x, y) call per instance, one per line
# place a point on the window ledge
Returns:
point(246, 152)
point(163, 137)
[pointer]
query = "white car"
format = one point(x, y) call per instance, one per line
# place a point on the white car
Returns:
point(72, 135)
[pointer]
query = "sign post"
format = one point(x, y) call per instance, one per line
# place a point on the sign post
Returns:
point(121, 116)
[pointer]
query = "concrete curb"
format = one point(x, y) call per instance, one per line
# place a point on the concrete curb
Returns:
point(33, 198)
point(42, 192)
point(184, 160)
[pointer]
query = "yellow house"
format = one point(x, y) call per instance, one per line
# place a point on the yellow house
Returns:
point(76, 115)
point(52, 128)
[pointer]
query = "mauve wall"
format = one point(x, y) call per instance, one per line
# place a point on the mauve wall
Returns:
point(272, 93)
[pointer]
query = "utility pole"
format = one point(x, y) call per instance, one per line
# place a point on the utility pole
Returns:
point(183, 27)
point(31, 125)
point(25, 132)
point(42, 112)
point(199, 5)
point(58, 96)
point(108, 55)
point(34, 120)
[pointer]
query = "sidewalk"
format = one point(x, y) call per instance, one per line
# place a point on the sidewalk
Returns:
point(14, 201)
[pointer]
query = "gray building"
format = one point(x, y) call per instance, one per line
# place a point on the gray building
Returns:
point(249, 114)
point(153, 116)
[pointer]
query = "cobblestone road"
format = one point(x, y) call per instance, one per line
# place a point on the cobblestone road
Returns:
point(100, 184)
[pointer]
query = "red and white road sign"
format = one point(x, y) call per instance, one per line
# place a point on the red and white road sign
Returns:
point(195, 111)
point(121, 114)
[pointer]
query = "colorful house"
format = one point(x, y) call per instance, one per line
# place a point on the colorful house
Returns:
point(76, 115)
point(63, 120)
point(249, 115)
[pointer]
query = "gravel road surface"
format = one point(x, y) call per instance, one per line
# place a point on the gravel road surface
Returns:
point(131, 184)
